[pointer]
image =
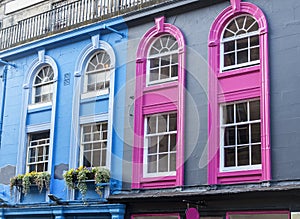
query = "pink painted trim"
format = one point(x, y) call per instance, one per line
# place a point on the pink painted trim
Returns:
point(257, 212)
point(165, 97)
point(153, 215)
point(225, 87)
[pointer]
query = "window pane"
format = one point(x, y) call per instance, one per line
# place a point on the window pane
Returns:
point(254, 54)
point(152, 164)
point(228, 114)
point(173, 142)
point(249, 22)
point(242, 56)
point(96, 158)
point(173, 122)
point(241, 112)
point(174, 71)
point(229, 136)
point(162, 123)
point(163, 143)
point(229, 59)
point(229, 157)
point(163, 163)
point(243, 155)
point(151, 121)
point(103, 158)
point(254, 41)
point(255, 132)
point(243, 134)
point(229, 46)
point(256, 154)
point(165, 72)
point(260, 216)
point(154, 75)
point(152, 145)
point(242, 43)
point(87, 158)
point(254, 110)
point(232, 26)
point(154, 63)
point(173, 162)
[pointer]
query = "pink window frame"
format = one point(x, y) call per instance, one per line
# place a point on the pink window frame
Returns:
point(233, 85)
point(257, 212)
point(160, 98)
point(153, 215)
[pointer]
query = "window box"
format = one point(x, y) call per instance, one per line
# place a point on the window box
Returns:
point(24, 181)
point(80, 179)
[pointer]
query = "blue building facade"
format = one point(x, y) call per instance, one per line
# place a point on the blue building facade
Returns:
point(62, 109)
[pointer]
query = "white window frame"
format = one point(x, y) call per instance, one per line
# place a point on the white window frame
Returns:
point(235, 38)
point(149, 57)
point(91, 142)
point(34, 86)
point(146, 135)
point(109, 72)
point(222, 130)
point(46, 157)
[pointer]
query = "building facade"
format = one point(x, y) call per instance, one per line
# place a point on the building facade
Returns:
point(188, 108)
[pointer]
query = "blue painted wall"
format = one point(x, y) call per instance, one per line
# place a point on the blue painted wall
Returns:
point(64, 49)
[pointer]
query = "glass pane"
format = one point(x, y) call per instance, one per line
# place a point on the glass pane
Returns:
point(229, 157)
point(40, 167)
point(163, 163)
point(165, 61)
point(232, 26)
point(174, 71)
point(96, 146)
point(228, 114)
point(256, 154)
point(229, 46)
point(228, 34)
point(254, 27)
point(249, 22)
point(174, 58)
point(173, 142)
point(229, 136)
point(151, 121)
point(254, 41)
point(240, 21)
point(255, 132)
point(103, 158)
point(254, 110)
point(229, 59)
point(152, 145)
point(87, 159)
point(154, 75)
point(243, 155)
point(254, 54)
point(165, 72)
point(87, 137)
point(163, 143)
point(96, 158)
point(162, 123)
point(242, 43)
point(173, 162)
point(104, 135)
point(260, 216)
point(173, 122)
point(242, 56)
point(86, 129)
point(241, 112)
point(243, 134)
point(96, 136)
point(154, 63)
point(152, 164)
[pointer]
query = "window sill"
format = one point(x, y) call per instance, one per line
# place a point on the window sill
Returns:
point(94, 98)
point(243, 176)
point(161, 86)
point(239, 71)
point(95, 94)
point(39, 107)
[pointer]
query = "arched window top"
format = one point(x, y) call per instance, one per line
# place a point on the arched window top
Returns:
point(240, 26)
point(43, 85)
point(99, 61)
point(45, 75)
point(97, 73)
point(163, 44)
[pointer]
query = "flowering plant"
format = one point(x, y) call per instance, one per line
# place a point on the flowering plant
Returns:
point(76, 178)
point(24, 181)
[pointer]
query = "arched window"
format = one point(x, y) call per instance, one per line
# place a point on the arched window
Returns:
point(42, 88)
point(239, 129)
point(163, 60)
point(97, 73)
point(240, 43)
point(159, 108)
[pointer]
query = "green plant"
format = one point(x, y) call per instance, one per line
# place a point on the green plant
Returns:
point(24, 181)
point(77, 178)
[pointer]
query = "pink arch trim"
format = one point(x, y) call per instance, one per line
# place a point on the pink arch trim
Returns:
point(219, 85)
point(159, 98)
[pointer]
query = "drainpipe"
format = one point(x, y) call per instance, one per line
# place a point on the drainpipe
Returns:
point(3, 76)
